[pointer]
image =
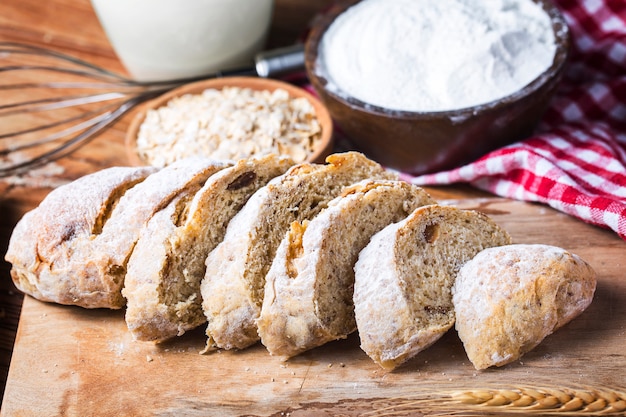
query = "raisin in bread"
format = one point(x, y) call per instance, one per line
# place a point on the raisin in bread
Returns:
point(162, 284)
point(404, 277)
point(233, 287)
point(309, 287)
point(508, 299)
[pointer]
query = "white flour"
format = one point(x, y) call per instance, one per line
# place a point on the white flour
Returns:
point(435, 55)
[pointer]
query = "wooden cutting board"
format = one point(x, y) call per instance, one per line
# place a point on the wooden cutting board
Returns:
point(73, 362)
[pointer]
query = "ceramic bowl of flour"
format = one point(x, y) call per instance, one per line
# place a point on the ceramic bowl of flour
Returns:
point(374, 77)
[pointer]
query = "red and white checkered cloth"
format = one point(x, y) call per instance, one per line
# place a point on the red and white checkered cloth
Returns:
point(576, 161)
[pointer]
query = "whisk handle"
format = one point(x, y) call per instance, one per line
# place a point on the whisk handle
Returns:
point(280, 61)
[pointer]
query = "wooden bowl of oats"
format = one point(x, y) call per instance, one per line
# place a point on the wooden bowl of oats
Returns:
point(228, 119)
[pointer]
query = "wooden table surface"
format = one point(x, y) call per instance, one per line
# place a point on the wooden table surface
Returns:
point(71, 26)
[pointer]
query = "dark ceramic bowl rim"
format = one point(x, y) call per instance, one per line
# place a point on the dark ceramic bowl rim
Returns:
point(562, 40)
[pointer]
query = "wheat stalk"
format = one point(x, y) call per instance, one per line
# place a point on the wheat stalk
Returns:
point(520, 400)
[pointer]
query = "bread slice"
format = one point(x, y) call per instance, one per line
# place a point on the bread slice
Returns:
point(233, 287)
point(508, 299)
point(105, 258)
point(404, 277)
point(309, 287)
point(42, 243)
point(162, 284)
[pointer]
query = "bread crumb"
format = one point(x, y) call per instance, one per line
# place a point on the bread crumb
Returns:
point(149, 358)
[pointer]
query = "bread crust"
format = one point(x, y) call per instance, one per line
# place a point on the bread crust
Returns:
point(508, 299)
point(232, 290)
point(309, 288)
point(162, 284)
point(42, 243)
point(404, 276)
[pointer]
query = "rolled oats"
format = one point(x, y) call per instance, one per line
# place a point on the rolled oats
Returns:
point(231, 123)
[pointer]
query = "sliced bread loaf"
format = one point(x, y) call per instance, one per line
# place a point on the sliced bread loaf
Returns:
point(508, 299)
point(233, 287)
point(162, 284)
point(42, 245)
point(404, 277)
point(309, 287)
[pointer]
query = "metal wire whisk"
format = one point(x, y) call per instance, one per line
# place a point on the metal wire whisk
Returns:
point(52, 103)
